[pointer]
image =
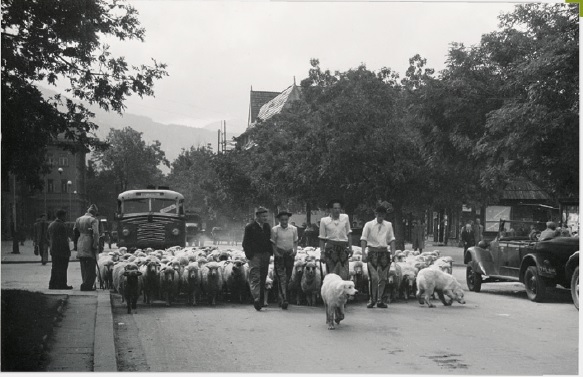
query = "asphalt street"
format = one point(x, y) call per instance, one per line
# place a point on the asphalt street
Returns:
point(498, 331)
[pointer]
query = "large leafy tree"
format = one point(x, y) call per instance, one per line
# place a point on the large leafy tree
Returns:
point(133, 163)
point(61, 41)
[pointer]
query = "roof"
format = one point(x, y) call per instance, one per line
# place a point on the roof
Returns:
point(523, 189)
point(258, 99)
point(276, 105)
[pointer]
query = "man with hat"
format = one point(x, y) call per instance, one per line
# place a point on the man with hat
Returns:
point(257, 247)
point(378, 234)
point(87, 229)
point(284, 238)
point(550, 232)
point(41, 239)
point(60, 252)
point(334, 240)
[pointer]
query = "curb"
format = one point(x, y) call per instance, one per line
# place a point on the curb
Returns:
point(104, 355)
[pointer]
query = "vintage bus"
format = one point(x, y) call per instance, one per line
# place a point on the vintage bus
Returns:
point(150, 218)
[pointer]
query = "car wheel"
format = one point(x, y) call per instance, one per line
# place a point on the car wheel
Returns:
point(536, 289)
point(575, 287)
point(473, 280)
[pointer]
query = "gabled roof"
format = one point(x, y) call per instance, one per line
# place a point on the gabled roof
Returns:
point(258, 99)
point(276, 105)
point(523, 189)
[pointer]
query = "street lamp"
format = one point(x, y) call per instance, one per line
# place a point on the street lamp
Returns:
point(69, 183)
point(74, 192)
point(60, 170)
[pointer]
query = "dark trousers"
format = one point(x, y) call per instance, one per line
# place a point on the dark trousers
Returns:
point(88, 273)
point(283, 267)
point(258, 269)
point(59, 272)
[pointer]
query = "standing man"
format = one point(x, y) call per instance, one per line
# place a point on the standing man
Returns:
point(258, 248)
point(285, 246)
point(418, 235)
point(334, 240)
point(468, 240)
point(478, 231)
point(40, 238)
point(60, 252)
point(378, 235)
point(87, 227)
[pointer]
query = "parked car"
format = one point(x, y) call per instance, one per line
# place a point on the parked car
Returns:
point(520, 257)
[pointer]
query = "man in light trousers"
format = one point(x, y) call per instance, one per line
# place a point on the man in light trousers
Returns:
point(378, 235)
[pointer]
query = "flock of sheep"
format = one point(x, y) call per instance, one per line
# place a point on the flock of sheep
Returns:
point(206, 273)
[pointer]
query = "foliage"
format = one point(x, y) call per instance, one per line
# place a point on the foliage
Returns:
point(48, 40)
point(133, 163)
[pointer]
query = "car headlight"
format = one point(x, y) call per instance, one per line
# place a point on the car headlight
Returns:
point(175, 231)
point(125, 232)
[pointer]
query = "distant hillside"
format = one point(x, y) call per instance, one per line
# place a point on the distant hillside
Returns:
point(173, 137)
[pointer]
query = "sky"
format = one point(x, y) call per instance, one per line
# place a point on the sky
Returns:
point(216, 51)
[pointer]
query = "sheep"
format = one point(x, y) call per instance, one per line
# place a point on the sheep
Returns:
point(151, 278)
point(295, 287)
point(169, 280)
point(117, 277)
point(212, 281)
point(191, 282)
point(311, 282)
point(358, 275)
point(131, 287)
point(235, 278)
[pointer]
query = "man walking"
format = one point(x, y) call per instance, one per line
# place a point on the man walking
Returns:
point(40, 238)
point(378, 235)
point(87, 228)
point(478, 231)
point(285, 246)
point(334, 240)
point(60, 252)
point(258, 248)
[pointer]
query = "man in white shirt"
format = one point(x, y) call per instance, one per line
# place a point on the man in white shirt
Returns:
point(335, 240)
point(378, 235)
point(284, 238)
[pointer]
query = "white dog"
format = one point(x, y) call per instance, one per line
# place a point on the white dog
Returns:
point(335, 292)
point(430, 280)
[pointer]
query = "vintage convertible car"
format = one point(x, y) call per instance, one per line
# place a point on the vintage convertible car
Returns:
point(537, 264)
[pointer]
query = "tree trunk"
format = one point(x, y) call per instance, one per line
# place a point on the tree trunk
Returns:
point(398, 226)
point(308, 213)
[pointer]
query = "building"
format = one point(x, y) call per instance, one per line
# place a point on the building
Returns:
point(64, 187)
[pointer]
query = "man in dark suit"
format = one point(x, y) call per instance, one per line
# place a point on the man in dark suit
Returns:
point(258, 249)
point(60, 252)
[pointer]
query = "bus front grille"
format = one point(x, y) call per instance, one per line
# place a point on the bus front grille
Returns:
point(154, 231)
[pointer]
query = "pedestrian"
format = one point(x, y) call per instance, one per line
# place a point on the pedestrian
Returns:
point(334, 240)
point(87, 230)
point(40, 238)
point(258, 249)
point(285, 247)
point(468, 240)
point(478, 231)
point(418, 236)
point(378, 235)
point(60, 251)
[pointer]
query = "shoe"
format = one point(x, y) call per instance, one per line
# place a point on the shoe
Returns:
point(257, 305)
point(87, 289)
point(370, 305)
point(67, 287)
point(54, 288)
point(382, 305)
point(284, 305)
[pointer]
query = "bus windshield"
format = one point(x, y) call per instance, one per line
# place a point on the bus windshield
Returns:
point(150, 205)
point(136, 205)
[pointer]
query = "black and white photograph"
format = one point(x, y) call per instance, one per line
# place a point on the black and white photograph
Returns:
point(290, 187)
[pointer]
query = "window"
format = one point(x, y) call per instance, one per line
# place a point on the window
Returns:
point(50, 185)
point(63, 161)
point(493, 216)
point(64, 185)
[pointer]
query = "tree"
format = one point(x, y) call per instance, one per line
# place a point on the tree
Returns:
point(132, 162)
point(45, 40)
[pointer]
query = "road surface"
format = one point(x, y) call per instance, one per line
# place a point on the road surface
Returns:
point(498, 331)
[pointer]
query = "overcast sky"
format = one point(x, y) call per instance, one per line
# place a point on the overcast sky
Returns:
point(216, 51)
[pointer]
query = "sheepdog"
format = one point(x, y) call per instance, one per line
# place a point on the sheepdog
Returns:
point(335, 293)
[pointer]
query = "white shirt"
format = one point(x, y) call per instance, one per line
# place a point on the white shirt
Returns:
point(284, 238)
point(378, 234)
point(335, 230)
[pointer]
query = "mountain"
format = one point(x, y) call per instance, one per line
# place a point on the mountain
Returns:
point(173, 137)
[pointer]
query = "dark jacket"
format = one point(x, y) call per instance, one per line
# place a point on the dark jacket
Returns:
point(40, 233)
point(468, 238)
point(59, 242)
point(257, 240)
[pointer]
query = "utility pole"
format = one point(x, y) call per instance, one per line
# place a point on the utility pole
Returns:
point(225, 136)
point(218, 141)
point(15, 248)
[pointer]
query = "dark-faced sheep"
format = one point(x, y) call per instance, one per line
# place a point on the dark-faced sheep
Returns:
point(131, 289)
point(212, 281)
point(311, 283)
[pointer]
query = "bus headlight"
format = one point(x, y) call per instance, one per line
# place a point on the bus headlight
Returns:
point(125, 232)
point(175, 231)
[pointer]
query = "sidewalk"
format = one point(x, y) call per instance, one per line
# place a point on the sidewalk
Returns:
point(83, 340)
